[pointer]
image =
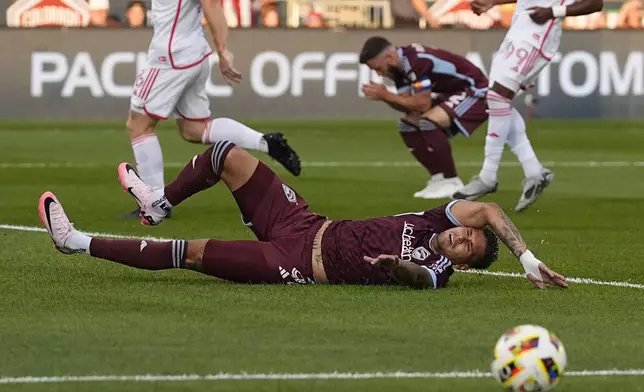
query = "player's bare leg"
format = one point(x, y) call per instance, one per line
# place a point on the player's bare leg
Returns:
point(426, 137)
point(506, 125)
point(216, 129)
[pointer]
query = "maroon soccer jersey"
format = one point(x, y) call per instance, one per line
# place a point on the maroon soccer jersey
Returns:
point(345, 243)
point(426, 68)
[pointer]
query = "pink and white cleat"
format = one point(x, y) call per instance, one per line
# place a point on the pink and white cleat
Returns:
point(153, 205)
point(65, 237)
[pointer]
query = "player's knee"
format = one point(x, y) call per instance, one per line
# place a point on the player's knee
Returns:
point(191, 131)
point(237, 157)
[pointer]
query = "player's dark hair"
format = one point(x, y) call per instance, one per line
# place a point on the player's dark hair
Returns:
point(491, 250)
point(372, 48)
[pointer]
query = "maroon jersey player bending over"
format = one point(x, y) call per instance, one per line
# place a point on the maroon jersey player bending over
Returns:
point(296, 245)
point(458, 106)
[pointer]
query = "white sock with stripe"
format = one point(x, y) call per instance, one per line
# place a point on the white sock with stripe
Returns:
point(521, 147)
point(245, 137)
point(498, 129)
point(149, 159)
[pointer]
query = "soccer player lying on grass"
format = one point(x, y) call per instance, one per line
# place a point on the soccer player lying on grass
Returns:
point(296, 245)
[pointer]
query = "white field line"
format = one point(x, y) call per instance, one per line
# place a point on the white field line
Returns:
point(478, 272)
point(290, 376)
point(356, 164)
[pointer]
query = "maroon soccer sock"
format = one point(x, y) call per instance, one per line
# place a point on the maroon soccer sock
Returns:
point(202, 172)
point(430, 146)
point(441, 150)
point(141, 254)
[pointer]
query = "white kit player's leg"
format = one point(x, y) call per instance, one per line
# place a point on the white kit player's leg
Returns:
point(195, 126)
point(517, 63)
point(521, 147)
point(228, 129)
point(154, 97)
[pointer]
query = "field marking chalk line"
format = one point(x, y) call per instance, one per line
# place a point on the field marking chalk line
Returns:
point(475, 272)
point(330, 164)
point(476, 374)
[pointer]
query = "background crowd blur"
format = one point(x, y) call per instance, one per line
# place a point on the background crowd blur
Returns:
point(334, 14)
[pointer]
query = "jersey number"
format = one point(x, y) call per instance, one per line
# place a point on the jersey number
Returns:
point(456, 100)
point(521, 56)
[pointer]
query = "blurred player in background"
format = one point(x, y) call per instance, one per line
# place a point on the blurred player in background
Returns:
point(459, 89)
point(295, 245)
point(173, 85)
point(529, 45)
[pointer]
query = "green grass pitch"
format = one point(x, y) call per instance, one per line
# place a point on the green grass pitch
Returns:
point(72, 316)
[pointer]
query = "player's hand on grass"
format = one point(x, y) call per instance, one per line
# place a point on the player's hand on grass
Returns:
point(548, 277)
point(386, 261)
point(541, 15)
point(374, 91)
point(481, 6)
point(230, 74)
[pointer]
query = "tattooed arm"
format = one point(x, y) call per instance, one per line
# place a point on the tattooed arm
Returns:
point(479, 215)
point(404, 272)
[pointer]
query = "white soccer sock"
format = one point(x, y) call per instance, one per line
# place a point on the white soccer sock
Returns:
point(228, 129)
point(79, 241)
point(521, 147)
point(498, 129)
point(149, 159)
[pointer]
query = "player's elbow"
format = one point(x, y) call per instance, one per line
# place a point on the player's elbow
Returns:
point(490, 210)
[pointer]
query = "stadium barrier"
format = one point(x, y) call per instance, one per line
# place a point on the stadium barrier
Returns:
point(87, 74)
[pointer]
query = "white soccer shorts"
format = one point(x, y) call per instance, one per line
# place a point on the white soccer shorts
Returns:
point(164, 93)
point(517, 63)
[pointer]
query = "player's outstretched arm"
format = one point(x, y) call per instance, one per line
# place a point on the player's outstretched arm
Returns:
point(479, 215)
point(404, 272)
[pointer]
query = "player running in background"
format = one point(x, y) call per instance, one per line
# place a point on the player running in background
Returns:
point(296, 245)
point(529, 45)
point(427, 124)
point(173, 85)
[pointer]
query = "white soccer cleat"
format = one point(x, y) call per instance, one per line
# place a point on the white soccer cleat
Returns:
point(60, 229)
point(532, 188)
point(153, 205)
point(440, 188)
point(474, 190)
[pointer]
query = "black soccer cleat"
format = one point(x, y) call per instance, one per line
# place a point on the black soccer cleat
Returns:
point(279, 150)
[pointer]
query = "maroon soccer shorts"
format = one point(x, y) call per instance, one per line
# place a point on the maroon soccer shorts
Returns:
point(284, 226)
point(467, 110)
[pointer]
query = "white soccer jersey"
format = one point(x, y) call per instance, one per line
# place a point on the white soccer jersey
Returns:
point(178, 40)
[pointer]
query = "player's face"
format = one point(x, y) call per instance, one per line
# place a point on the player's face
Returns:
point(462, 245)
point(386, 64)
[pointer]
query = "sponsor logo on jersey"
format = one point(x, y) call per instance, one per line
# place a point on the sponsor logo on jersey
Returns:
point(290, 193)
point(407, 240)
point(420, 254)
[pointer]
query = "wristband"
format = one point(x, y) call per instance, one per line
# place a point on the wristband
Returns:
point(531, 264)
point(559, 11)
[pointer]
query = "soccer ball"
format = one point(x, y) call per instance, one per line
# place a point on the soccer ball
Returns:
point(528, 358)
